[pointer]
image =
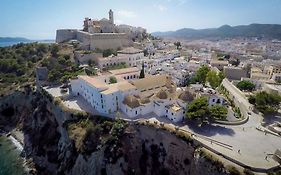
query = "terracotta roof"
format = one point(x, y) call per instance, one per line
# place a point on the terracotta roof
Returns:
point(93, 81)
point(131, 101)
point(144, 100)
point(150, 82)
point(162, 94)
point(186, 96)
point(123, 86)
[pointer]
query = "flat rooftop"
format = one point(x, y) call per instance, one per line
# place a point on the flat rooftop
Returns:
point(124, 71)
point(130, 50)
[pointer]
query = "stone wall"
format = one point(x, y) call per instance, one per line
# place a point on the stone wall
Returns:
point(93, 41)
point(64, 35)
point(108, 41)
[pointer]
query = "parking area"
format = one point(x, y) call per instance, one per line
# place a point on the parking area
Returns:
point(56, 91)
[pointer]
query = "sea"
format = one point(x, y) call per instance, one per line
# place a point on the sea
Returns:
point(6, 44)
point(11, 163)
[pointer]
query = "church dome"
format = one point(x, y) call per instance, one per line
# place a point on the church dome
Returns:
point(144, 100)
point(162, 94)
point(186, 96)
point(131, 101)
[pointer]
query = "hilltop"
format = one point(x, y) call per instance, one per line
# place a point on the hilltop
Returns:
point(269, 31)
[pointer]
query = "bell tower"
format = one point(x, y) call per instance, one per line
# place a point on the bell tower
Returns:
point(111, 19)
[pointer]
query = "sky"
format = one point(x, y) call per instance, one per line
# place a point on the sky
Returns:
point(39, 19)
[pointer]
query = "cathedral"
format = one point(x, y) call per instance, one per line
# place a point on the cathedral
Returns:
point(100, 26)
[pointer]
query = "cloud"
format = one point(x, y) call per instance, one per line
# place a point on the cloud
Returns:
point(161, 7)
point(178, 2)
point(126, 14)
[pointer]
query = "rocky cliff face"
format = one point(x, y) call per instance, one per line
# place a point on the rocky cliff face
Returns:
point(138, 149)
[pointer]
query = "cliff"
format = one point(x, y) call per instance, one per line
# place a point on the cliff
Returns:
point(61, 141)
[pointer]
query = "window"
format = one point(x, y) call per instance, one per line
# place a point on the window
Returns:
point(102, 106)
point(166, 111)
point(101, 96)
point(172, 113)
point(136, 112)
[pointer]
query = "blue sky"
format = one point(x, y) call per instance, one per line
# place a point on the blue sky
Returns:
point(39, 19)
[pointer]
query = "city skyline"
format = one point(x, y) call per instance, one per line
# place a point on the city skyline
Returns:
point(40, 19)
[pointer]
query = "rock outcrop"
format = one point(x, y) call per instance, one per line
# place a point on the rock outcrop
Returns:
point(140, 149)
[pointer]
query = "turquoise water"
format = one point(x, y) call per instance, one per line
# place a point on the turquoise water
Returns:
point(10, 161)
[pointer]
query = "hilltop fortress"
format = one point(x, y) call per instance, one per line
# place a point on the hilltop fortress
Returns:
point(102, 34)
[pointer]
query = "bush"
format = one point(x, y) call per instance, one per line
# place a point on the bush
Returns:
point(246, 85)
point(112, 80)
point(233, 171)
point(248, 172)
point(265, 102)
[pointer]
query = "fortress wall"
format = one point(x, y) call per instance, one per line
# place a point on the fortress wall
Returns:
point(93, 41)
point(109, 40)
point(84, 38)
point(64, 35)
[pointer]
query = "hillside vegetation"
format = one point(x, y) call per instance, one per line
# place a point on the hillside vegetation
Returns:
point(18, 64)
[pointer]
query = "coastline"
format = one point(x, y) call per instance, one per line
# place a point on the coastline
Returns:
point(17, 138)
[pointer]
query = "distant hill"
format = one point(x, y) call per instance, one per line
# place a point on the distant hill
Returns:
point(270, 31)
point(13, 39)
point(10, 41)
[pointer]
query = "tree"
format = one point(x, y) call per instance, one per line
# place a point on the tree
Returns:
point(198, 109)
point(145, 52)
point(108, 52)
point(218, 112)
point(54, 50)
point(142, 75)
point(201, 74)
point(213, 79)
point(221, 76)
point(234, 62)
point(178, 44)
point(266, 102)
point(112, 80)
point(90, 62)
point(246, 85)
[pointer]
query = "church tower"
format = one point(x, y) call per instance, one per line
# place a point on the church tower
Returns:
point(111, 16)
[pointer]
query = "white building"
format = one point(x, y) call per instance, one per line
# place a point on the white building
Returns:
point(130, 57)
point(133, 96)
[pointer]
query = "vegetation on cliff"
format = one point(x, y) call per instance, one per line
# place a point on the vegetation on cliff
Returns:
point(18, 63)
point(91, 134)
